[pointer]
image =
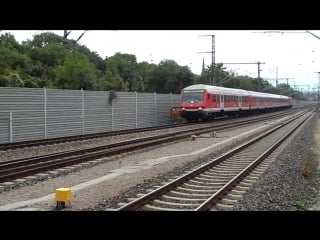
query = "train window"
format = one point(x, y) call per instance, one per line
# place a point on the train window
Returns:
point(214, 98)
point(192, 97)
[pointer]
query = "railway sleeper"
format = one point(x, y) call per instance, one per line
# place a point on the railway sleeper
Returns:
point(205, 183)
point(242, 188)
point(189, 190)
point(228, 201)
point(201, 186)
point(175, 193)
point(149, 207)
point(245, 184)
point(223, 207)
point(179, 205)
point(198, 200)
point(233, 196)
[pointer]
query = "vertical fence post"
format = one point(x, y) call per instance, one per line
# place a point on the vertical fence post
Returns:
point(155, 109)
point(136, 109)
point(82, 110)
point(45, 111)
point(112, 113)
point(171, 101)
point(10, 127)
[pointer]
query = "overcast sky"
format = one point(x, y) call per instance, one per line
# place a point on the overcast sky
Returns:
point(293, 54)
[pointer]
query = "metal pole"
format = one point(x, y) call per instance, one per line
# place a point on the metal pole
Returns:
point(82, 112)
point(277, 77)
point(112, 120)
point(10, 127)
point(136, 109)
point(259, 76)
point(213, 64)
point(45, 112)
point(318, 90)
point(212, 81)
point(155, 109)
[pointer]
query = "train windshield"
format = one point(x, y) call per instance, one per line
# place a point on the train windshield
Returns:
point(192, 96)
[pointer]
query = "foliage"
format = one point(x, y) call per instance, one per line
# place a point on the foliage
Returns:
point(77, 72)
point(307, 169)
point(301, 206)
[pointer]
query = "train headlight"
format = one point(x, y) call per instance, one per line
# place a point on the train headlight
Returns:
point(200, 108)
point(183, 108)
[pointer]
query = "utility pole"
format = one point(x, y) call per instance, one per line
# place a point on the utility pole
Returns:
point(279, 79)
point(287, 79)
point(213, 64)
point(258, 70)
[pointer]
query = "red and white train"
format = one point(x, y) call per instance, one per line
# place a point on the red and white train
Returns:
point(204, 102)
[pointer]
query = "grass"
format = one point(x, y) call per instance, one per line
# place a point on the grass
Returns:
point(301, 206)
point(307, 169)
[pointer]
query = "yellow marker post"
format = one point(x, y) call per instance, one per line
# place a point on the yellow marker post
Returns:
point(63, 195)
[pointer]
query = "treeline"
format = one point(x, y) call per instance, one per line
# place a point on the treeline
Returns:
point(53, 61)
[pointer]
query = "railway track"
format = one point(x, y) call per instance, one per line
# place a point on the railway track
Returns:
point(44, 142)
point(14, 169)
point(218, 184)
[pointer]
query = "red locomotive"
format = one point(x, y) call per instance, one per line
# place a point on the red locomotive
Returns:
point(205, 102)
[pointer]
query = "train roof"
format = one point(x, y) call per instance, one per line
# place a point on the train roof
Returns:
point(241, 92)
point(267, 95)
point(215, 89)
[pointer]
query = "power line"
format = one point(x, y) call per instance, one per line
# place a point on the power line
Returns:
point(258, 63)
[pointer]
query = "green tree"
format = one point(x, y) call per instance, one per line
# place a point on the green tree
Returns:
point(76, 72)
point(8, 40)
point(169, 77)
point(128, 69)
point(145, 72)
point(14, 59)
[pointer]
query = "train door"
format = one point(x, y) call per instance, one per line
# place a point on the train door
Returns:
point(222, 102)
point(218, 101)
point(240, 101)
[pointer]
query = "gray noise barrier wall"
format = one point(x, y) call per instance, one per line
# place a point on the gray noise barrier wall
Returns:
point(33, 113)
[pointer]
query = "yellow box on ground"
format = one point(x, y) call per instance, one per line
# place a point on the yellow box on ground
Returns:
point(63, 194)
